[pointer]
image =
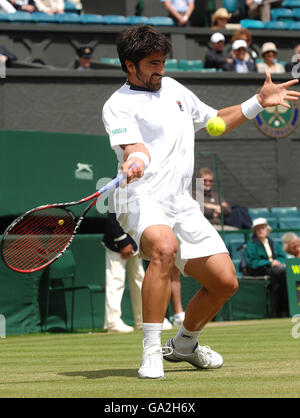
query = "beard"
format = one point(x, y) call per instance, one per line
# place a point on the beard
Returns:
point(153, 83)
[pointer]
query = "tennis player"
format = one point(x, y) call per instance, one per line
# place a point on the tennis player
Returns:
point(151, 121)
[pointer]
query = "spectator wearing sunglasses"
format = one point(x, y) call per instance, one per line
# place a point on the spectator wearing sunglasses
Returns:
point(240, 64)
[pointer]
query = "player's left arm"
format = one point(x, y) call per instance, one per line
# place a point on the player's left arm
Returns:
point(269, 95)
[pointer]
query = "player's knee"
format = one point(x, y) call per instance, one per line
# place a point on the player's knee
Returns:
point(165, 253)
point(230, 284)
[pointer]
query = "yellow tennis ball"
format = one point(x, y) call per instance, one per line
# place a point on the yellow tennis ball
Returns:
point(216, 126)
point(61, 222)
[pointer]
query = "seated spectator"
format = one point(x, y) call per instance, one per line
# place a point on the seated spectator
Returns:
point(24, 5)
point(246, 35)
point(291, 245)
point(51, 7)
point(6, 7)
point(240, 64)
point(212, 207)
point(261, 8)
point(220, 19)
point(263, 257)
point(6, 57)
point(269, 53)
point(215, 56)
point(294, 64)
point(84, 58)
point(180, 11)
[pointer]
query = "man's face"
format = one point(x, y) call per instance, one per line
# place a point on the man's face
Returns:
point(208, 182)
point(84, 62)
point(218, 46)
point(149, 71)
point(240, 53)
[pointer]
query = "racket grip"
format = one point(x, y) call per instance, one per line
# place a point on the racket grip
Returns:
point(114, 183)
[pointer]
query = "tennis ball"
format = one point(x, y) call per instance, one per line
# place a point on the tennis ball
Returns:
point(61, 222)
point(216, 126)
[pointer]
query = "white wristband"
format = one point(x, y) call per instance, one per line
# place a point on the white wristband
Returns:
point(142, 156)
point(251, 108)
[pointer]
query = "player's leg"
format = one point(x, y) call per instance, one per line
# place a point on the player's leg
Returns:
point(217, 276)
point(176, 297)
point(159, 244)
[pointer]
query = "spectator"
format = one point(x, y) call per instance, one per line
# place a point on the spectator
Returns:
point(269, 53)
point(291, 245)
point(220, 19)
point(263, 257)
point(215, 56)
point(294, 64)
point(51, 7)
point(84, 59)
point(180, 11)
point(261, 8)
point(212, 207)
point(240, 63)
point(6, 7)
point(246, 35)
point(6, 57)
point(24, 5)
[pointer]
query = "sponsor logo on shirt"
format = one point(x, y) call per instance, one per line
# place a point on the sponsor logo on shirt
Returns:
point(180, 106)
point(119, 131)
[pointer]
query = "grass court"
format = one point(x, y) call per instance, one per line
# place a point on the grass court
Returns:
point(261, 359)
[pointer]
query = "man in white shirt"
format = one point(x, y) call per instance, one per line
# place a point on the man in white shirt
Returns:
point(151, 121)
point(180, 10)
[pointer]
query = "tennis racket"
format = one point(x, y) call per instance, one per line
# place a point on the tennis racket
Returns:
point(40, 236)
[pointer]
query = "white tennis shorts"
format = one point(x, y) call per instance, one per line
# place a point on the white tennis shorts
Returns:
point(196, 237)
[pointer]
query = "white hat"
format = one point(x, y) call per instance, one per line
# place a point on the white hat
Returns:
point(217, 37)
point(260, 221)
point(239, 43)
point(267, 47)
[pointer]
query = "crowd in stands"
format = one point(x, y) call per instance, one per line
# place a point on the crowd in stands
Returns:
point(30, 6)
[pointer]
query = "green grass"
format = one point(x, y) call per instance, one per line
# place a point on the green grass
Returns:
point(261, 359)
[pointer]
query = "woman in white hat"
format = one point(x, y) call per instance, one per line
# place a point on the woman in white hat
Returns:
point(269, 53)
point(263, 257)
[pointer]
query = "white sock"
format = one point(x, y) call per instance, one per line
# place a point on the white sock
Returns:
point(152, 334)
point(185, 341)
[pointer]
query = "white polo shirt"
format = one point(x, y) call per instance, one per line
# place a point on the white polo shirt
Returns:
point(165, 121)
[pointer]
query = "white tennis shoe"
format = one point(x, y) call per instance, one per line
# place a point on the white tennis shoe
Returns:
point(152, 363)
point(202, 357)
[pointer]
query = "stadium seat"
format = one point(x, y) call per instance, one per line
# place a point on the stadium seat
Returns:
point(252, 24)
point(273, 222)
point(160, 21)
point(115, 20)
point(282, 14)
point(258, 213)
point(91, 19)
point(297, 14)
point(68, 18)
point(70, 7)
point(289, 212)
point(272, 25)
point(289, 223)
point(209, 70)
point(40, 17)
point(294, 26)
point(171, 65)
point(190, 65)
point(4, 17)
point(231, 5)
point(137, 20)
point(65, 269)
point(235, 249)
point(110, 61)
point(291, 3)
point(20, 17)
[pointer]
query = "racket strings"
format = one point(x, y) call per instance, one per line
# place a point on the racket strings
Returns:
point(38, 238)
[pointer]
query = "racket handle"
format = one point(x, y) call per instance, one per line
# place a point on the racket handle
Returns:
point(114, 183)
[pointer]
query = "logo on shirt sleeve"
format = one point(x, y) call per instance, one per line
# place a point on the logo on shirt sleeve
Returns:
point(180, 105)
point(119, 131)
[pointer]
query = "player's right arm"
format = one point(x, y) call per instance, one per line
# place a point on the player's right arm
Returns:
point(135, 153)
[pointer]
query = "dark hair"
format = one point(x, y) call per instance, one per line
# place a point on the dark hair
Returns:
point(136, 42)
